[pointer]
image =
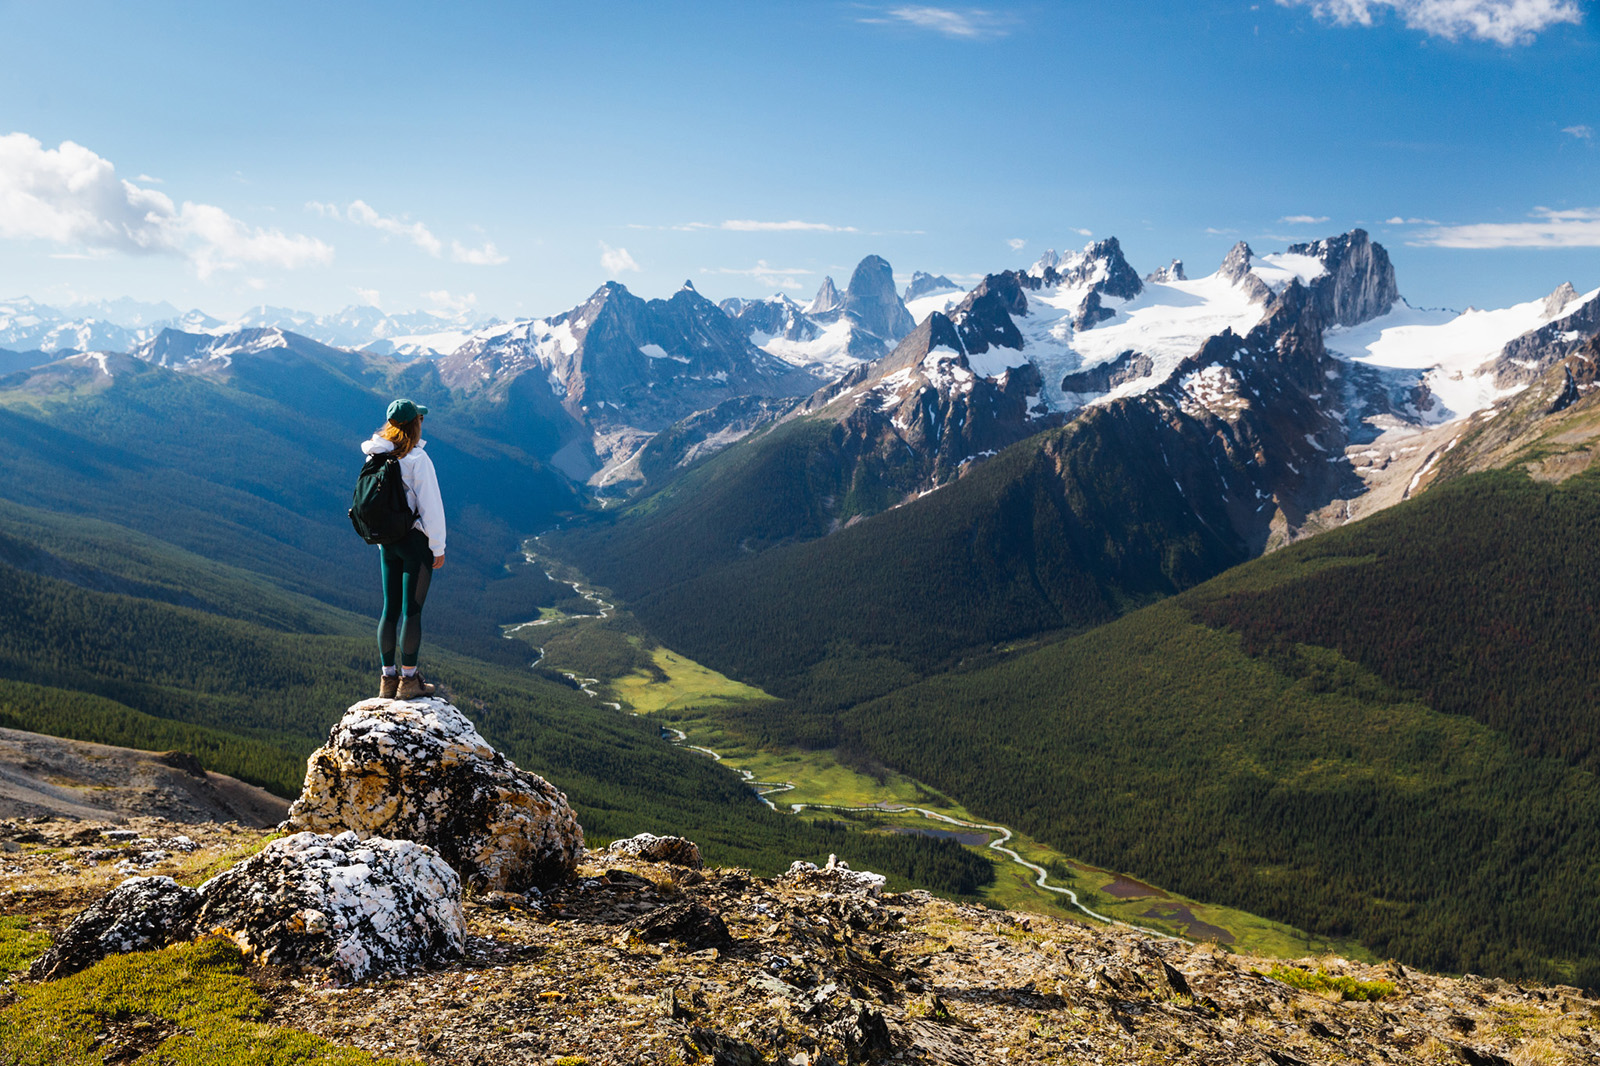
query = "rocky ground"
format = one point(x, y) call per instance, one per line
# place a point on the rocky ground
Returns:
point(640, 962)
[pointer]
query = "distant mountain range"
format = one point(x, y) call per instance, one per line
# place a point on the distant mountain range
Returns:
point(122, 325)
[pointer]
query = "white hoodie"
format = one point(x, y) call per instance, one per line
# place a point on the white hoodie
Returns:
point(422, 488)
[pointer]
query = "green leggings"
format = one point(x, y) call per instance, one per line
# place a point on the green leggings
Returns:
point(407, 569)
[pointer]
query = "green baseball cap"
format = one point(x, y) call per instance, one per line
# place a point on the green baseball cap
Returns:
point(403, 411)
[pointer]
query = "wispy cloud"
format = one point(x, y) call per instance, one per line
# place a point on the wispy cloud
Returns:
point(962, 24)
point(369, 297)
point(362, 213)
point(1398, 221)
point(445, 300)
point(488, 255)
point(1577, 227)
point(1505, 22)
point(1583, 133)
point(616, 260)
point(71, 197)
point(1304, 220)
point(1215, 232)
point(768, 275)
point(1017, 244)
point(750, 225)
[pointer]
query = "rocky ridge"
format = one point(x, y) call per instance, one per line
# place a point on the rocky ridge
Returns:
point(625, 963)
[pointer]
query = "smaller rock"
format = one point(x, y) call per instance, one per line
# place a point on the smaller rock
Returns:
point(354, 909)
point(647, 847)
point(836, 877)
point(140, 914)
point(695, 925)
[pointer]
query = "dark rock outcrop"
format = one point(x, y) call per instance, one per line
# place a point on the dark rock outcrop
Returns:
point(925, 284)
point(1171, 272)
point(137, 915)
point(1530, 355)
point(418, 770)
point(1236, 268)
point(1359, 285)
point(1127, 366)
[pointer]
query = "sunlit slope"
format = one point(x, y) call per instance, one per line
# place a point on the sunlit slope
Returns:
point(255, 471)
point(1387, 731)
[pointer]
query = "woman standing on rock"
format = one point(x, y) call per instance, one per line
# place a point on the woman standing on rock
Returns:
point(408, 565)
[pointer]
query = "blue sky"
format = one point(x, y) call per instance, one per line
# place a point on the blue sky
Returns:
point(518, 155)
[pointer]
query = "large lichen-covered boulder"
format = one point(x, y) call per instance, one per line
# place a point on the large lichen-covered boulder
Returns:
point(139, 914)
point(348, 907)
point(418, 770)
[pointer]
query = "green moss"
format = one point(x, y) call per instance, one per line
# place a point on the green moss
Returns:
point(1321, 981)
point(194, 1001)
point(19, 945)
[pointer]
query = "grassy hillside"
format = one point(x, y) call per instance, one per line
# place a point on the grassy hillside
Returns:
point(1385, 732)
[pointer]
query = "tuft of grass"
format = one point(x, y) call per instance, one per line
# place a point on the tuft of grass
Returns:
point(19, 945)
point(190, 1005)
point(1321, 982)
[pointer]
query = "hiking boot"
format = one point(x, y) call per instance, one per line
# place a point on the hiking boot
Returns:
point(413, 687)
point(388, 685)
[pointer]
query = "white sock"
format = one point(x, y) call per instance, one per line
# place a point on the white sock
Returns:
point(408, 671)
point(391, 671)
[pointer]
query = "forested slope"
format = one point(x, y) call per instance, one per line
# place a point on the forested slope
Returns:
point(1065, 530)
point(1387, 731)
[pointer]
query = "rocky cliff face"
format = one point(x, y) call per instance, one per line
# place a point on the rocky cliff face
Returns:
point(827, 299)
point(871, 299)
point(1359, 284)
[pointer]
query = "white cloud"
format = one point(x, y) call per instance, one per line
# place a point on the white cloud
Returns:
point(1577, 227)
point(323, 209)
point(1215, 232)
point(1398, 221)
point(770, 276)
point(616, 260)
point(1080, 231)
point(369, 297)
point(148, 180)
point(962, 24)
point(1505, 22)
point(72, 197)
point(445, 300)
point(751, 226)
point(362, 214)
point(1304, 220)
point(1016, 244)
point(488, 255)
point(1583, 133)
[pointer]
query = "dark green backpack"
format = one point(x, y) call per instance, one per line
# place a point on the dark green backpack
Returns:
point(378, 508)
